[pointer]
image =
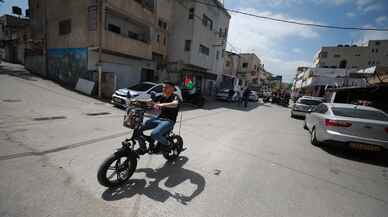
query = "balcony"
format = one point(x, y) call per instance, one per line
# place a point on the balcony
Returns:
point(126, 46)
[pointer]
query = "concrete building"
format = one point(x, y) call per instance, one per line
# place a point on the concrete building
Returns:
point(14, 33)
point(245, 69)
point(230, 77)
point(197, 39)
point(378, 53)
point(250, 68)
point(127, 39)
point(353, 56)
point(315, 81)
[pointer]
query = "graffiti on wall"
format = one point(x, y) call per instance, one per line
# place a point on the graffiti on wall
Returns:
point(66, 65)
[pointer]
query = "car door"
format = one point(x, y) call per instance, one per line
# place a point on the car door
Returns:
point(319, 116)
point(314, 116)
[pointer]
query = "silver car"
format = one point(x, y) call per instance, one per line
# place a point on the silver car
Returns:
point(143, 91)
point(360, 127)
point(253, 96)
point(304, 104)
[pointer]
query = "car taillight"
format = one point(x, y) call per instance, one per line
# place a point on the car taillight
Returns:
point(337, 123)
point(386, 129)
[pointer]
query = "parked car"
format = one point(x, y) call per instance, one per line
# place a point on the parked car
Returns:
point(253, 96)
point(142, 90)
point(356, 126)
point(304, 104)
point(223, 95)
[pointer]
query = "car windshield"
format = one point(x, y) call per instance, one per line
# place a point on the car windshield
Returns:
point(360, 113)
point(141, 87)
point(309, 101)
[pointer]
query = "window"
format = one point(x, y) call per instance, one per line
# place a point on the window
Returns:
point(164, 41)
point(158, 37)
point(245, 65)
point(359, 113)
point(377, 50)
point(357, 55)
point(116, 29)
point(373, 50)
point(162, 24)
point(321, 108)
point(220, 33)
point(132, 35)
point(204, 50)
point(217, 55)
point(227, 63)
point(141, 87)
point(309, 101)
point(64, 27)
point(377, 43)
point(337, 56)
point(191, 13)
point(206, 21)
point(149, 4)
point(157, 89)
point(323, 54)
point(187, 45)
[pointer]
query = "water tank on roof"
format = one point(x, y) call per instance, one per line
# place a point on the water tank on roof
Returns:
point(354, 45)
point(346, 45)
point(340, 45)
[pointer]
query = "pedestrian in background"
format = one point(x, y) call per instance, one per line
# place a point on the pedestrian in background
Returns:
point(246, 97)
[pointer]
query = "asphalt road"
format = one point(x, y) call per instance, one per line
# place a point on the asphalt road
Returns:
point(239, 162)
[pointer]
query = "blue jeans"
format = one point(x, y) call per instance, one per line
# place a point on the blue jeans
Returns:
point(161, 128)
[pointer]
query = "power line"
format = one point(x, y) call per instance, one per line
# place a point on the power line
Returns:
point(294, 22)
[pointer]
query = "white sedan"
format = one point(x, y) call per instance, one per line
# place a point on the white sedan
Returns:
point(360, 127)
point(140, 91)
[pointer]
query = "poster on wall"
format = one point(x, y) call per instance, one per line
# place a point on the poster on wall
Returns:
point(65, 65)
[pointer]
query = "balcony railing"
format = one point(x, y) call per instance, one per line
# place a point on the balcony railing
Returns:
point(127, 46)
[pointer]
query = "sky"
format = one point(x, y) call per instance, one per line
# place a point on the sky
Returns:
point(283, 47)
point(5, 7)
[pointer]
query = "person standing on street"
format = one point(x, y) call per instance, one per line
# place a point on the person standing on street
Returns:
point(246, 97)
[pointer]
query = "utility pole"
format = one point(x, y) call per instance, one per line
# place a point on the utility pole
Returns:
point(99, 64)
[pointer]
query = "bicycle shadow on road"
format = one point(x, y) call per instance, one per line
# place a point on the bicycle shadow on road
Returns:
point(173, 175)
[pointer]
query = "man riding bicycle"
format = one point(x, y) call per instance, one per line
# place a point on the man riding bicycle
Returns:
point(168, 104)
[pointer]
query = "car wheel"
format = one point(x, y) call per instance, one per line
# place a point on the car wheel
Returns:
point(314, 140)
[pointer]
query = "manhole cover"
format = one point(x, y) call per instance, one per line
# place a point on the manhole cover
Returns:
point(11, 100)
point(98, 113)
point(49, 118)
